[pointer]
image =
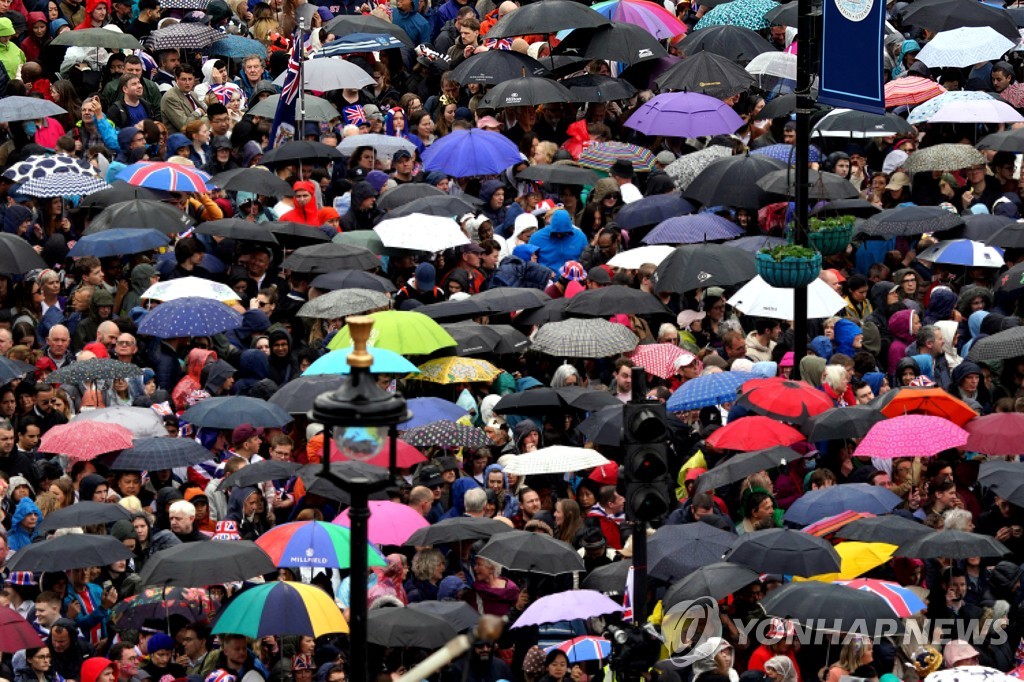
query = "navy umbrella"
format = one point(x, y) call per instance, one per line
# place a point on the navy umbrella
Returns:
point(13, 369)
point(118, 242)
point(189, 316)
point(859, 497)
point(296, 397)
point(427, 410)
point(693, 229)
point(652, 210)
point(154, 454)
point(229, 412)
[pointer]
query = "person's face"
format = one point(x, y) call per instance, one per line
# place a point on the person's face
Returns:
point(131, 484)
point(1000, 81)
point(531, 503)
point(129, 663)
point(496, 482)
point(99, 14)
point(558, 667)
point(190, 643)
point(723, 659)
point(915, 324)
point(30, 439)
point(607, 244)
point(970, 383)
point(859, 295)
point(864, 395)
point(585, 497)
point(125, 345)
point(789, 136)
point(279, 348)
point(58, 339)
point(940, 342)
point(302, 197)
point(263, 345)
point(764, 510)
point(141, 529)
point(185, 82)
point(219, 125)
point(737, 349)
point(181, 523)
point(468, 35)
point(490, 260)
point(46, 613)
point(404, 165)
point(253, 70)
point(6, 441)
point(100, 494)
point(160, 658)
point(61, 640)
point(624, 379)
point(842, 167)
point(251, 505)
point(559, 515)
point(58, 493)
point(258, 264)
point(425, 127)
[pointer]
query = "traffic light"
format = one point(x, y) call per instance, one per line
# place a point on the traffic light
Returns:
point(645, 439)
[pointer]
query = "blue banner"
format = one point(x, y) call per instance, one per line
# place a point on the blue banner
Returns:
point(851, 55)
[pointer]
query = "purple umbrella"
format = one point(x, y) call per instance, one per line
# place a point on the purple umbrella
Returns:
point(554, 607)
point(685, 114)
point(693, 229)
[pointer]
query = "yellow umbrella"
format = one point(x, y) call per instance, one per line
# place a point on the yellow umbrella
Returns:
point(455, 370)
point(857, 559)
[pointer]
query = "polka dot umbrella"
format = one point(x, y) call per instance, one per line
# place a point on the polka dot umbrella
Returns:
point(41, 166)
point(189, 316)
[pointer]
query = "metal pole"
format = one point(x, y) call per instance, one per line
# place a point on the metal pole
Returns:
point(359, 515)
point(639, 395)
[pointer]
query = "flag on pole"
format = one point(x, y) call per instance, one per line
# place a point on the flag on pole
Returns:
point(283, 128)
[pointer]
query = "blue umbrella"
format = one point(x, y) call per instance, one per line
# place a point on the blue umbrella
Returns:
point(859, 497)
point(118, 242)
point(426, 410)
point(785, 153)
point(693, 229)
point(359, 42)
point(384, 362)
point(189, 316)
point(465, 153)
point(236, 47)
point(151, 454)
point(707, 390)
point(229, 412)
point(652, 210)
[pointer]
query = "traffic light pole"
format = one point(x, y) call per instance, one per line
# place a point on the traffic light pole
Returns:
point(639, 385)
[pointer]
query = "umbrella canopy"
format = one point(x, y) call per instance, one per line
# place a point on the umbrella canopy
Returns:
point(594, 87)
point(559, 174)
point(660, 359)
point(301, 150)
point(421, 232)
point(444, 206)
point(1000, 346)
point(231, 46)
point(189, 316)
point(184, 36)
point(829, 525)
point(732, 181)
point(13, 369)
point(103, 369)
point(704, 265)
point(255, 180)
point(155, 454)
point(857, 559)
point(322, 258)
point(17, 256)
point(707, 73)
point(1003, 141)
point(408, 627)
point(601, 156)
point(688, 166)
point(754, 433)
point(141, 421)
point(609, 579)
point(391, 523)
point(553, 607)
point(885, 529)
point(861, 497)
point(906, 221)
point(118, 242)
point(781, 550)
point(584, 338)
point(972, 673)
point(496, 66)
point(526, 91)
point(457, 529)
point(204, 563)
point(81, 442)
point(749, 15)
point(281, 608)
point(352, 279)
point(822, 185)
point(707, 390)
point(842, 423)
point(322, 75)
point(785, 153)
point(315, 108)
point(267, 470)
point(404, 194)
point(345, 24)
point(426, 410)
point(464, 153)
point(170, 177)
point(794, 402)
point(542, 400)
point(912, 435)
point(678, 550)
point(520, 550)
point(385, 146)
point(693, 229)
point(477, 339)
point(994, 435)
point(555, 459)
point(384, 362)
point(739, 466)
point(774, 64)
point(402, 332)
point(911, 91)
point(454, 370)
point(735, 43)
point(763, 300)
point(633, 259)
point(923, 112)
point(653, 18)
point(613, 301)
point(63, 185)
point(933, 401)
point(652, 210)
point(446, 435)
point(141, 213)
point(67, 552)
point(190, 287)
point(546, 17)
point(312, 543)
point(18, 108)
point(977, 111)
point(903, 601)
point(943, 157)
point(619, 42)
point(964, 252)
point(717, 581)
point(827, 606)
point(160, 603)
point(952, 544)
point(860, 124)
point(18, 633)
point(227, 412)
point(343, 303)
point(684, 114)
point(586, 648)
point(41, 166)
point(945, 15)
point(83, 513)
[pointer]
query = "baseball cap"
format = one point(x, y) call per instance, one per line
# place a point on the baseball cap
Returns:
point(401, 154)
point(244, 432)
point(373, 111)
point(573, 271)
point(898, 181)
point(599, 275)
point(472, 247)
point(429, 476)
point(426, 277)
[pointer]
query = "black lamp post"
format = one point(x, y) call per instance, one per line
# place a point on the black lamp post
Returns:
point(362, 418)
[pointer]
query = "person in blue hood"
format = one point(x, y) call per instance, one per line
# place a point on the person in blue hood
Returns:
point(941, 303)
point(822, 347)
point(876, 380)
point(559, 242)
point(24, 522)
point(458, 494)
point(18, 220)
point(974, 327)
point(846, 333)
point(253, 367)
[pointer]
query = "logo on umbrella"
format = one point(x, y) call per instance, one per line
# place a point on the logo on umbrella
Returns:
point(687, 626)
point(309, 551)
point(703, 276)
point(709, 83)
point(644, 53)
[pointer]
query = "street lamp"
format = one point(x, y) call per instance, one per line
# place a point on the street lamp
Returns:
point(362, 419)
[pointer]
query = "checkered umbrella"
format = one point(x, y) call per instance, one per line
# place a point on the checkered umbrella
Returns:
point(447, 435)
point(1000, 346)
point(603, 155)
point(584, 338)
point(40, 166)
point(189, 36)
point(147, 454)
point(96, 369)
point(63, 185)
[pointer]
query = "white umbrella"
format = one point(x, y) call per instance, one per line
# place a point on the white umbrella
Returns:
point(331, 74)
point(778, 64)
point(421, 232)
point(383, 145)
point(557, 459)
point(963, 47)
point(977, 111)
point(141, 421)
point(758, 298)
point(634, 258)
point(963, 252)
point(190, 286)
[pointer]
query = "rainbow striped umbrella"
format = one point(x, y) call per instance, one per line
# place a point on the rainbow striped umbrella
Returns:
point(170, 177)
point(588, 648)
point(313, 544)
point(603, 155)
point(831, 524)
point(281, 608)
point(901, 600)
point(655, 19)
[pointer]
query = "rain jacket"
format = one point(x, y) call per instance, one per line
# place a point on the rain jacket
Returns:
point(559, 242)
point(86, 330)
point(845, 332)
point(974, 329)
point(941, 303)
point(254, 367)
point(509, 506)
point(308, 214)
point(901, 327)
point(90, 5)
point(249, 527)
point(459, 489)
point(282, 370)
point(140, 278)
point(497, 217)
point(194, 363)
point(19, 537)
point(517, 273)
point(92, 667)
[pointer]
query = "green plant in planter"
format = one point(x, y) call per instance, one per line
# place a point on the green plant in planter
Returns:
point(830, 235)
point(826, 224)
point(784, 251)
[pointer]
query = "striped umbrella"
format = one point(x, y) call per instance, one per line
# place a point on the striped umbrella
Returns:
point(588, 648)
point(63, 185)
point(603, 155)
point(911, 91)
point(311, 544)
point(901, 600)
point(281, 608)
point(655, 19)
point(831, 524)
point(170, 177)
point(743, 13)
point(923, 112)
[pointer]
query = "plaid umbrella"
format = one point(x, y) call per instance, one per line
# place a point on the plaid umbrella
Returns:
point(147, 454)
point(189, 36)
point(454, 370)
point(82, 441)
point(658, 359)
point(63, 185)
point(1000, 346)
point(743, 13)
point(97, 369)
point(707, 390)
point(584, 338)
point(603, 155)
point(923, 112)
point(342, 303)
point(170, 177)
point(40, 166)
point(943, 157)
point(693, 229)
point(786, 153)
point(911, 91)
point(686, 168)
point(446, 435)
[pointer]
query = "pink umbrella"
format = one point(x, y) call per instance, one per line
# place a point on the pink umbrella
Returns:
point(912, 435)
point(85, 440)
point(659, 358)
point(390, 523)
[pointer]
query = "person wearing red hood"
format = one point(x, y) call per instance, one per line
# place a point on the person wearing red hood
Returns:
point(98, 669)
point(36, 38)
point(96, 13)
point(306, 211)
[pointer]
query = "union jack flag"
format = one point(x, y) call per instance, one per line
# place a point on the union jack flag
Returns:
point(283, 127)
point(498, 43)
point(354, 114)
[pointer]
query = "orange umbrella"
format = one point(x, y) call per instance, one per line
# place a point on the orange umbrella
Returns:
point(932, 401)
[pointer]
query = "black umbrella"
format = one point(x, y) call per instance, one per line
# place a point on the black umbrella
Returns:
point(696, 266)
point(741, 465)
point(1003, 141)
point(141, 213)
point(318, 485)
point(946, 15)
point(477, 339)
point(542, 400)
point(779, 107)
point(560, 174)
point(707, 73)
point(549, 16)
point(848, 422)
point(619, 42)
point(120, 191)
point(859, 124)
point(235, 228)
point(732, 181)
point(496, 66)
point(822, 185)
point(603, 427)
point(855, 207)
point(674, 552)
point(732, 42)
point(1010, 283)
point(70, 551)
point(781, 550)
point(458, 614)
point(445, 206)
point(594, 87)
point(408, 627)
point(303, 151)
point(223, 412)
point(908, 221)
point(161, 603)
point(951, 544)
point(354, 23)
point(827, 606)
point(508, 299)
point(519, 550)
point(84, 513)
point(13, 369)
point(890, 529)
point(979, 228)
point(1000, 346)
point(352, 279)
point(528, 91)
point(17, 257)
point(297, 396)
point(296, 235)
point(552, 311)
point(267, 470)
point(652, 210)
point(609, 579)
point(783, 15)
point(154, 454)
point(1005, 479)
point(717, 580)
point(585, 399)
point(95, 369)
point(456, 529)
point(404, 194)
point(607, 301)
point(323, 258)
point(196, 564)
point(255, 180)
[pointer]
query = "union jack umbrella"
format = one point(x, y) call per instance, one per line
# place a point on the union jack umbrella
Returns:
point(587, 648)
point(170, 177)
point(901, 600)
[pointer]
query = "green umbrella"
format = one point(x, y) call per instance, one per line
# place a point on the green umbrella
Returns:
point(744, 13)
point(403, 332)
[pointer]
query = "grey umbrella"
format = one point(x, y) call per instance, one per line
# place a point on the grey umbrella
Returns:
point(403, 194)
point(686, 168)
point(315, 108)
point(943, 157)
point(17, 108)
point(822, 185)
point(97, 37)
point(344, 302)
point(321, 258)
point(1000, 346)
point(584, 338)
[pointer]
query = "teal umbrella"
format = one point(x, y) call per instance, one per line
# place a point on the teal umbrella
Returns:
point(743, 13)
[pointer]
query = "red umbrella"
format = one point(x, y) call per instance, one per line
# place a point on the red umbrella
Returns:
point(85, 440)
point(753, 433)
point(910, 91)
point(406, 456)
point(794, 402)
point(16, 633)
point(995, 434)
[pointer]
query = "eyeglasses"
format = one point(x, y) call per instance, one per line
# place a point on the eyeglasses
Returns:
point(126, 343)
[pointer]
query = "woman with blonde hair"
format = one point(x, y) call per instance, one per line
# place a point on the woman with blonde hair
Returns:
point(855, 653)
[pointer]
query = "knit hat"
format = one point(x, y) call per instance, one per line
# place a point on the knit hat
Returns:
point(160, 642)
point(6, 27)
point(123, 530)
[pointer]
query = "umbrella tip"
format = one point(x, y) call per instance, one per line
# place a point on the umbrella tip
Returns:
point(359, 328)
